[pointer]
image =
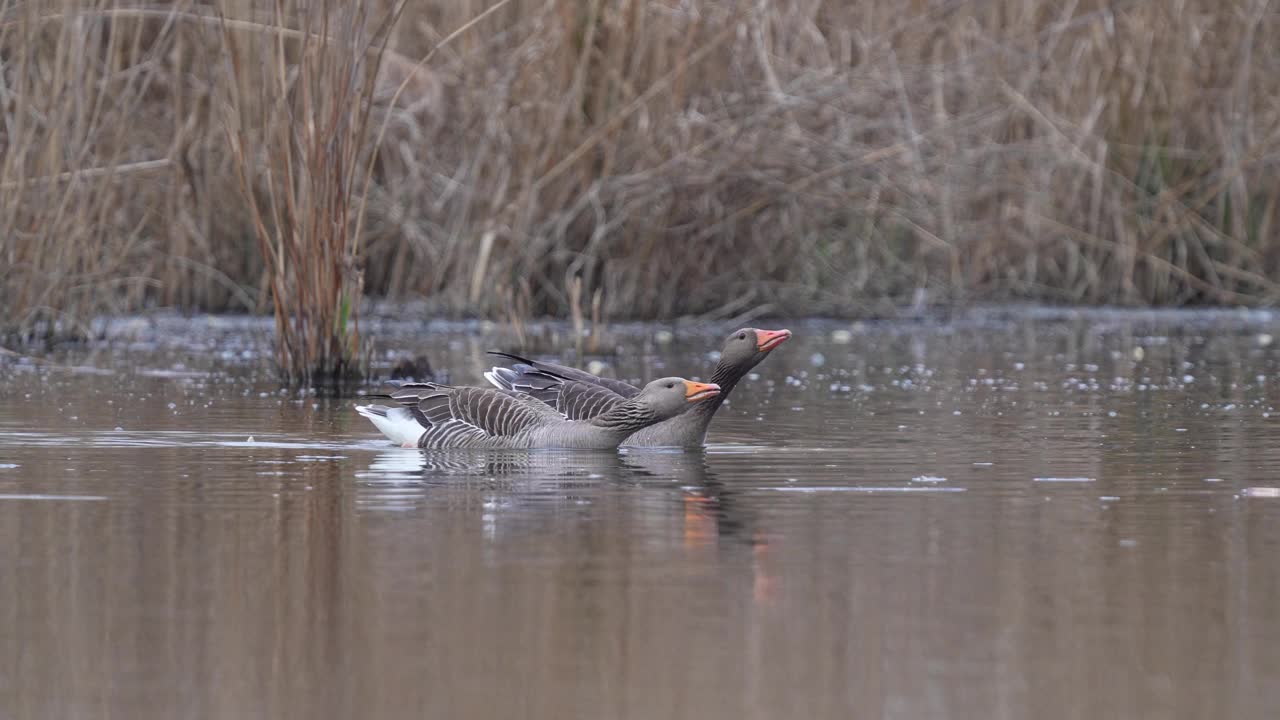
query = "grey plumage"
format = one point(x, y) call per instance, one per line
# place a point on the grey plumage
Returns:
point(580, 395)
point(439, 416)
point(619, 387)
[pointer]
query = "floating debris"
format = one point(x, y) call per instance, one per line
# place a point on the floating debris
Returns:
point(1261, 492)
point(865, 489)
point(75, 498)
point(413, 368)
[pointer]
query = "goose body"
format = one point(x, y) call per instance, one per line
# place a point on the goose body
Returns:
point(580, 395)
point(428, 415)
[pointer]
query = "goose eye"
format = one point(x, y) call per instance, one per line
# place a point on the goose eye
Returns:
point(671, 385)
point(742, 336)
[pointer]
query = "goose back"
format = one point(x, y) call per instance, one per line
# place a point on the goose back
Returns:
point(580, 395)
point(449, 417)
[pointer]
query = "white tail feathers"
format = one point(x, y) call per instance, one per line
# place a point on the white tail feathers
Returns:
point(397, 423)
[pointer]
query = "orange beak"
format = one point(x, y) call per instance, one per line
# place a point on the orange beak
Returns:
point(693, 392)
point(767, 340)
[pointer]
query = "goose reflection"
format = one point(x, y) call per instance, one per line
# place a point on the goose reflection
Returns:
point(513, 470)
point(712, 508)
point(538, 481)
point(531, 497)
point(715, 513)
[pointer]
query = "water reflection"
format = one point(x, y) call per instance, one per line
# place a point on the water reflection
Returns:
point(891, 533)
point(527, 482)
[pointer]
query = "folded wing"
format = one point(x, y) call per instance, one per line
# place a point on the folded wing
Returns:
point(575, 399)
point(462, 417)
point(624, 389)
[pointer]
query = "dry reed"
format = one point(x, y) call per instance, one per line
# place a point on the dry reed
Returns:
point(298, 126)
point(845, 157)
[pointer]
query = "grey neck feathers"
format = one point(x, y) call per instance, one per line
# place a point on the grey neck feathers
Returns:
point(726, 376)
point(627, 417)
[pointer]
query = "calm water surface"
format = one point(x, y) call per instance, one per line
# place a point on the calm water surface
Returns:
point(1004, 516)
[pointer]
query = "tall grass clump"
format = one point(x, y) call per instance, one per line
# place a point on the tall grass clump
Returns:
point(301, 94)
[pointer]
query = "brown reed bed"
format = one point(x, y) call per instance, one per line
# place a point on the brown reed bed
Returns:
point(298, 125)
point(640, 158)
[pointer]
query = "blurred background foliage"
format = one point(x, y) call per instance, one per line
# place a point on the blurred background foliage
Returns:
point(656, 157)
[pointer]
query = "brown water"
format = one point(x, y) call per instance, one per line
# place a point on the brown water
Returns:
point(1001, 517)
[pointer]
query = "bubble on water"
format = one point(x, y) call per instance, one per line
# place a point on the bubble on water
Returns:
point(8, 466)
point(1112, 413)
point(1128, 543)
point(841, 337)
point(1138, 353)
point(663, 337)
point(1109, 498)
point(250, 439)
point(817, 359)
point(928, 479)
point(1213, 480)
point(1064, 479)
point(1264, 339)
point(1179, 429)
point(1188, 379)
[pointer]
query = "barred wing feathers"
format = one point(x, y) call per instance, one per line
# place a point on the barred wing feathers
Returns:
point(624, 389)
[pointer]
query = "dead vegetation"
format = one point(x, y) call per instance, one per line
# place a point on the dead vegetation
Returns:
point(634, 158)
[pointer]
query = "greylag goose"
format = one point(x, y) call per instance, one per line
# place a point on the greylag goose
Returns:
point(581, 395)
point(429, 415)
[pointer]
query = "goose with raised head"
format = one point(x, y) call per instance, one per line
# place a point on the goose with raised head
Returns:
point(580, 395)
point(428, 415)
